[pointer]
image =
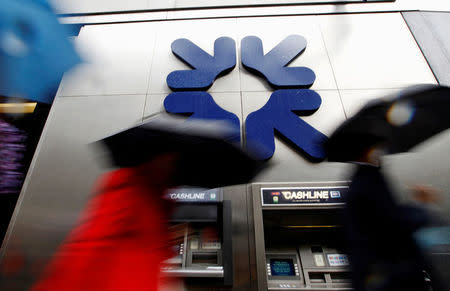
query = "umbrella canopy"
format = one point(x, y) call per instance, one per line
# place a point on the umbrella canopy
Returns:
point(206, 158)
point(397, 124)
point(34, 50)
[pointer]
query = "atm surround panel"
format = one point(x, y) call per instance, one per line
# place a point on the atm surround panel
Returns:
point(195, 253)
point(201, 253)
point(313, 238)
point(307, 271)
point(203, 242)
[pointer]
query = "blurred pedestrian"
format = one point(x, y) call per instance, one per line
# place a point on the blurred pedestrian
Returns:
point(383, 253)
point(123, 236)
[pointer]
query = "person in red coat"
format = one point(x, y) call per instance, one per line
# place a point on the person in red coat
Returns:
point(123, 236)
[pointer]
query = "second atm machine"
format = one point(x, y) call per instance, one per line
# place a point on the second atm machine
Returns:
point(201, 238)
point(298, 236)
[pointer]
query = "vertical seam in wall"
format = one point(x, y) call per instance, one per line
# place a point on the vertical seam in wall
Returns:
point(248, 236)
point(417, 41)
point(332, 69)
point(251, 236)
point(150, 72)
point(238, 64)
point(243, 138)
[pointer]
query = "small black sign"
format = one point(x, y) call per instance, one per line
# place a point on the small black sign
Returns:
point(194, 195)
point(303, 195)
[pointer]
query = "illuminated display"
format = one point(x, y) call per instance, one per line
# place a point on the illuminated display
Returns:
point(282, 267)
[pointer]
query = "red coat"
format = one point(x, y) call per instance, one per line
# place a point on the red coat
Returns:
point(120, 242)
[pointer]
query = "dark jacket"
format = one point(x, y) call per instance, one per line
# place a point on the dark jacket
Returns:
point(383, 253)
point(120, 242)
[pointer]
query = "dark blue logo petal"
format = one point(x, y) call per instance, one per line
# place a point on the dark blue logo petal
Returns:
point(206, 68)
point(272, 66)
point(279, 115)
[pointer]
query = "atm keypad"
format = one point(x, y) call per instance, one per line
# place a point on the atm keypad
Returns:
point(269, 271)
point(296, 270)
point(181, 249)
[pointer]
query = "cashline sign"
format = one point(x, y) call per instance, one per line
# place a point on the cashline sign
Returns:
point(194, 195)
point(303, 195)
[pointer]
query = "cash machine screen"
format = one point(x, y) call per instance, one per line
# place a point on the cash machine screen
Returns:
point(282, 267)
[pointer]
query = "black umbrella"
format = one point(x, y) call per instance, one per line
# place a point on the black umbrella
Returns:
point(207, 158)
point(397, 124)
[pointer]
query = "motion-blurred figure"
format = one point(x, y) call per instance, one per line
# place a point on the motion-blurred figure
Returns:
point(383, 253)
point(124, 236)
point(381, 233)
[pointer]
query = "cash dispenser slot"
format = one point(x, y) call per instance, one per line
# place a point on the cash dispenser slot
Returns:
point(208, 259)
point(202, 242)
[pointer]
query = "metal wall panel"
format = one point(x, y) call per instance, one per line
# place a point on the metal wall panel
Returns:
point(431, 31)
point(117, 60)
point(86, 6)
point(221, 3)
point(373, 51)
point(61, 178)
point(102, 6)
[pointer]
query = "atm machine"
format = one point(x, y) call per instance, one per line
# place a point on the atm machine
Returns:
point(298, 236)
point(201, 237)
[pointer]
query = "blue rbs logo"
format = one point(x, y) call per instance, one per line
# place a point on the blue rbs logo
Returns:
point(279, 115)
